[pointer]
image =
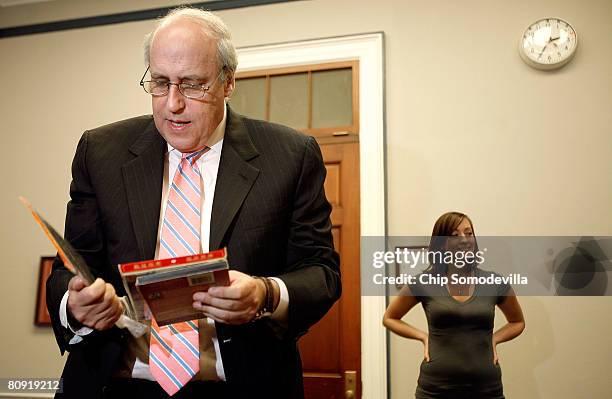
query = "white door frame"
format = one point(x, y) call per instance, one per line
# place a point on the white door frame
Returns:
point(369, 50)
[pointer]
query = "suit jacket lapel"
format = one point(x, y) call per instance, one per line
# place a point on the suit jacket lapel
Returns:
point(234, 178)
point(143, 178)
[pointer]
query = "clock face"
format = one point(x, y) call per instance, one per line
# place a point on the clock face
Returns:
point(548, 43)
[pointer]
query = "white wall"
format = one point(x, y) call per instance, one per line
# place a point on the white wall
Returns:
point(469, 127)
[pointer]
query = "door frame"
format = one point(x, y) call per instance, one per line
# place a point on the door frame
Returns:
point(368, 49)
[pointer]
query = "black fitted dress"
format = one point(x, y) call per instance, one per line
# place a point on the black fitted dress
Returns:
point(460, 343)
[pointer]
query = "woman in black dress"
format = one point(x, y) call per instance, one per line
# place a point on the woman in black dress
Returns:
point(460, 356)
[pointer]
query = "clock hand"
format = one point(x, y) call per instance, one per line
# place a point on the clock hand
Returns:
point(554, 33)
point(550, 40)
point(554, 40)
point(543, 48)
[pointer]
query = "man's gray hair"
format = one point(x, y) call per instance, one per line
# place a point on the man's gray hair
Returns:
point(212, 26)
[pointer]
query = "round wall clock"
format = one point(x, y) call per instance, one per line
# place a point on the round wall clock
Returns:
point(548, 43)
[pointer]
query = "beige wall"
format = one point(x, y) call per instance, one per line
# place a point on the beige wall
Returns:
point(60, 10)
point(469, 127)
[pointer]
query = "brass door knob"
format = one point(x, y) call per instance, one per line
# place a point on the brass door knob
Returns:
point(350, 384)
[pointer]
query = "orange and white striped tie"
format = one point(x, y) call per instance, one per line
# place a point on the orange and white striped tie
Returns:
point(174, 355)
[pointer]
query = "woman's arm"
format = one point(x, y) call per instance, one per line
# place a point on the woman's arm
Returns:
point(393, 319)
point(515, 326)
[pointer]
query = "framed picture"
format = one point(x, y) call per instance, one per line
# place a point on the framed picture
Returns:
point(42, 315)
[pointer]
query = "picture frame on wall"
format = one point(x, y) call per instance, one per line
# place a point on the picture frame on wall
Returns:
point(42, 317)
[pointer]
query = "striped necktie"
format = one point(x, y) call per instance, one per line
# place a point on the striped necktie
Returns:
point(174, 355)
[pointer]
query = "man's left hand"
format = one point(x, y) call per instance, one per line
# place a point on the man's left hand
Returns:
point(236, 303)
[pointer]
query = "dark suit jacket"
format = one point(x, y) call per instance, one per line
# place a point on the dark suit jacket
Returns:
point(269, 209)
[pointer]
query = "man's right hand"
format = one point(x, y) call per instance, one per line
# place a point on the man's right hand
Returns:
point(96, 306)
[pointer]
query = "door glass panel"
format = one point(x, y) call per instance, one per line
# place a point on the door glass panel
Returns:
point(332, 98)
point(289, 100)
point(249, 97)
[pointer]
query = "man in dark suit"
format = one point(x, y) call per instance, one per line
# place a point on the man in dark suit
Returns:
point(263, 200)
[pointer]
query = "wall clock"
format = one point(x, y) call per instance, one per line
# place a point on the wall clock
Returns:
point(548, 43)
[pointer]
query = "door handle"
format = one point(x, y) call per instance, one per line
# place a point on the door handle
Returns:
point(350, 384)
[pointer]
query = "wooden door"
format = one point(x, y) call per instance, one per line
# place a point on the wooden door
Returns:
point(331, 351)
point(322, 100)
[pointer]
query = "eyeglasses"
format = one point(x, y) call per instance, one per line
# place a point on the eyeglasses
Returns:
point(159, 88)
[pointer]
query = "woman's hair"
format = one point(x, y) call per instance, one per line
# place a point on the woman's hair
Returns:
point(443, 228)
